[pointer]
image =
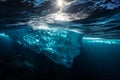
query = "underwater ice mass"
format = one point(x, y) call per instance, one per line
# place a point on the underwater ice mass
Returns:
point(59, 44)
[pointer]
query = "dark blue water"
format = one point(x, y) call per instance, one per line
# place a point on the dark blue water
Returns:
point(39, 40)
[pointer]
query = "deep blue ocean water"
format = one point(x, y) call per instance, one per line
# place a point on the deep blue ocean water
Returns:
point(42, 43)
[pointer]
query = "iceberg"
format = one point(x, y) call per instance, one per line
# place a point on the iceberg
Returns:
point(59, 44)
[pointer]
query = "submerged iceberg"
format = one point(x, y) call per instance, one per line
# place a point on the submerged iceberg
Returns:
point(59, 44)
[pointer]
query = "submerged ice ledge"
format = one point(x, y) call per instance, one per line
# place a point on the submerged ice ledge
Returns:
point(59, 44)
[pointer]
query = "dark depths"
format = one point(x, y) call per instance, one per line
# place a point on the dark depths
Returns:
point(18, 62)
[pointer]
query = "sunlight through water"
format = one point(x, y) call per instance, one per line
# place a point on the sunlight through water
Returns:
point(60, 3)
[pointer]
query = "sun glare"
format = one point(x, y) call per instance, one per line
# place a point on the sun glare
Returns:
point(60, 3)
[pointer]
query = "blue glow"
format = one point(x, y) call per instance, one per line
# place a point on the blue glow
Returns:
point(101, 40)
point(4, 35)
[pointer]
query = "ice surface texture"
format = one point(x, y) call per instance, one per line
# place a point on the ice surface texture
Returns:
point(60, 45)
